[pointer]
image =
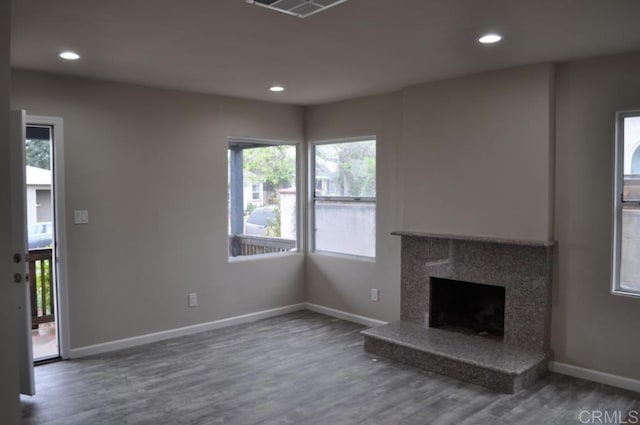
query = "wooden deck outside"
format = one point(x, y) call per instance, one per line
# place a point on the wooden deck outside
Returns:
point(240, 245)
point(42, 289)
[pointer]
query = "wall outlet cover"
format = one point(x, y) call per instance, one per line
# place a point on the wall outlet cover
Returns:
point(374, 295)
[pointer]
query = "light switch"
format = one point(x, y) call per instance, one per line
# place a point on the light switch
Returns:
point(81, 217)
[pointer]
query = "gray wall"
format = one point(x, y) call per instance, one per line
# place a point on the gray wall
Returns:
point(591, 327)
point(345, 283)
point(475, 155)
point(9, 407)
point(150, 166)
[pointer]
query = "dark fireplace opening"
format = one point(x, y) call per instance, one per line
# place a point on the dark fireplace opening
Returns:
point(467, 307)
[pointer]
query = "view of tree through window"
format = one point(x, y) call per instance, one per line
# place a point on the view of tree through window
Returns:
point(349, 167)
point(262, 198)
point(38, 153)
point(345, 196)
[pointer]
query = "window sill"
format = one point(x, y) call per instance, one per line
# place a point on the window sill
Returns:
point(624, 293)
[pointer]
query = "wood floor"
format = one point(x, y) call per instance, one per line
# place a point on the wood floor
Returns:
point(301, 368)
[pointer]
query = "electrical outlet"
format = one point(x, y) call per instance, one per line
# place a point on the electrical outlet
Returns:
point(193, 299)
point(374, 295)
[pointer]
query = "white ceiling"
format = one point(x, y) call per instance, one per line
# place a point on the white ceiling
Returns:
point(358, 48)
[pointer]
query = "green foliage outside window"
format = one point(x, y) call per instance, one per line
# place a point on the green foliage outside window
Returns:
point(38, 154)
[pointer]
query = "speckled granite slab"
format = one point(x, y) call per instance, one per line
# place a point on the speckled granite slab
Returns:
point(469, 358)
point(523, 268)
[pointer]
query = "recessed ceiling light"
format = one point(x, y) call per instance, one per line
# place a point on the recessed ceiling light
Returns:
point(490, 38)
point(276, 88)
point(70, 56)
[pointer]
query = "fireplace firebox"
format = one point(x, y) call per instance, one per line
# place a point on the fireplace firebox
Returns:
point(466, 307)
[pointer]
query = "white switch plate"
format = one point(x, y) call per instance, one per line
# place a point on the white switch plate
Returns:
point(81, 217)
point(374, 295)
point(193, 299)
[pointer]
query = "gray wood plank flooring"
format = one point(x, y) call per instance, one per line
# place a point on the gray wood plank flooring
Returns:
point(301, 368)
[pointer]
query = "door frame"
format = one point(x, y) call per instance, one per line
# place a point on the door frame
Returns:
point(59, 220)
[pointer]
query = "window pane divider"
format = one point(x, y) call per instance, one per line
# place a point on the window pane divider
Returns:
point(344, 198)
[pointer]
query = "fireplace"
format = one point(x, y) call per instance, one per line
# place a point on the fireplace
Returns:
point(473, 308)
point(467, 307)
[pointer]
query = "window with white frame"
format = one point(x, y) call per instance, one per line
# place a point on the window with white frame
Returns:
point(256, 192)
point(263, 203)
point(626, 239)
point(344, 199)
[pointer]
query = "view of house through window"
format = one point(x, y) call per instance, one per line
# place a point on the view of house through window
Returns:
point(262, 197)
point(344, 199)
point(626, 276)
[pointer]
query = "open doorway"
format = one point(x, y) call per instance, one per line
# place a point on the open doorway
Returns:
point(41, 231)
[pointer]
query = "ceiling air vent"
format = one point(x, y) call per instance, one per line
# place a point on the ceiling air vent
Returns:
point(299, 8)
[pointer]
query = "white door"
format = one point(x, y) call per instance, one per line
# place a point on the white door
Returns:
point(19, 245)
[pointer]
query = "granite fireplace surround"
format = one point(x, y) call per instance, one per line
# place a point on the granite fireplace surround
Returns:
point(505, 365)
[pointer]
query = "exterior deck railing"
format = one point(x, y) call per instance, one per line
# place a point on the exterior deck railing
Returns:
point(251, 245)
point(41, 282)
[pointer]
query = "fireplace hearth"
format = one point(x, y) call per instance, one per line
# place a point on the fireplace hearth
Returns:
point(477, 309)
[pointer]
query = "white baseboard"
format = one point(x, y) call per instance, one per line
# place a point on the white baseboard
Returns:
point(595, 376)
point(119, 344)
point(344, 315)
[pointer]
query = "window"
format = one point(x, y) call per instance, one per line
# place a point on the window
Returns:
point(344, 200)
point(626, 239)
point(263, 203)
point(256, 192)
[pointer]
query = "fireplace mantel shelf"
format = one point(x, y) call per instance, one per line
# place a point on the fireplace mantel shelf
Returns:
point(521, 242)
